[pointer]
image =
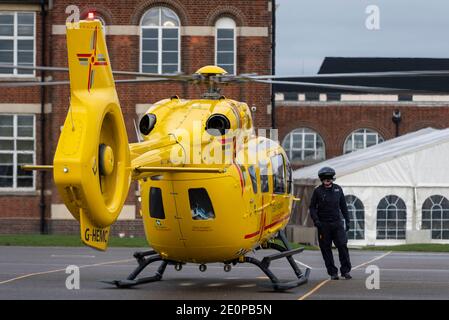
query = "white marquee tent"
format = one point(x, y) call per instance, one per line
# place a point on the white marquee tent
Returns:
point(397, 191)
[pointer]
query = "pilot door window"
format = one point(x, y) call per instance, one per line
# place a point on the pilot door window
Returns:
point(200, 205)
point(252, 175)
point(263, 177)
point(156, 204)
point(277, 163)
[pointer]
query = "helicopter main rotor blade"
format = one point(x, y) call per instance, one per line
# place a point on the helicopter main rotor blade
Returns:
point(249, 77)
point(178, 77)
point(337, 86)
point(424, 73)
point(304, 84)
point(67, 82)
point(12, 66)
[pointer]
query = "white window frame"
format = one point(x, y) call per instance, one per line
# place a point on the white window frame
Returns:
point(351, 206)
point(15, 37)
point(431, 220)
point(15, 138)
point(159, 29)
point(386, 209)
point(103, 24)
point(226, 23)
point(303, 132)
point(365, 132)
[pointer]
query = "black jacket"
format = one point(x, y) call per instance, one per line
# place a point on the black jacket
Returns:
point(327, 203)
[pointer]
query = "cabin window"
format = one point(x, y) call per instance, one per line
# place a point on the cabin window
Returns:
point(277, 163)
point(200, 205)
point(263, 177)
point(252, 174)
point(156, 205)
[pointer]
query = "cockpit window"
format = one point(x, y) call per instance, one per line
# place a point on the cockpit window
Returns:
point(252, 174)
point(156, 205)
point(200, 205)
point(263, 177)
point(277, 163)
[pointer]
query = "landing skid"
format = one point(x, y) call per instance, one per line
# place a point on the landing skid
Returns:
point(146, 258)
point(284, 252)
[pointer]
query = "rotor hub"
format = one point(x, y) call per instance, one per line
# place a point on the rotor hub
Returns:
point(106, 157)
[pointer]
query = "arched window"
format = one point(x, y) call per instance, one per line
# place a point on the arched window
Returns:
point(225, 44)
point(357, 216)
point(391, 218)
point(304, 144)
point(103, 23)
point(361, 139)
point(160, 41)
point(435, 216)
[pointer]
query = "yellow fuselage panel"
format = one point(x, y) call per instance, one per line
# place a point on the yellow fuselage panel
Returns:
point(243, 218)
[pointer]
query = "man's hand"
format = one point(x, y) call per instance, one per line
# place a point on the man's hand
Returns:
point(347, 226)
point(318, 224)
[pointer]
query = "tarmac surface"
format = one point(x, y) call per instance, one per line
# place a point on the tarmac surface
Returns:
point(40, 273)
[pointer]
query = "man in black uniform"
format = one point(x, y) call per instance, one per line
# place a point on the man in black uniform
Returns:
point(328, 208)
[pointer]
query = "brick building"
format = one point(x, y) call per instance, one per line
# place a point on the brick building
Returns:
point(142, 35)
point(315, 125)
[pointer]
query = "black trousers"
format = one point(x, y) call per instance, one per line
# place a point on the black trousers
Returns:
point(334, 232)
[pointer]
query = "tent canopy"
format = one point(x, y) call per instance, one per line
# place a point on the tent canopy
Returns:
point(411, 159)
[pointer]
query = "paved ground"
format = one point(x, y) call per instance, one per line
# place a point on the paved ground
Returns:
point(39, 273)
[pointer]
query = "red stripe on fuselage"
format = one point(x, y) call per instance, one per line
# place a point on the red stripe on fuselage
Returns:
point(240, 175)
point(252, 235)
point(275, 223)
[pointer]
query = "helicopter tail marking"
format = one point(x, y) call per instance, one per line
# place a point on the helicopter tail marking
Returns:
point(88, 57)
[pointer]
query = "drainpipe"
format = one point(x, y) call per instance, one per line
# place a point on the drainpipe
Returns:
point(273, 61)
point(42, 205)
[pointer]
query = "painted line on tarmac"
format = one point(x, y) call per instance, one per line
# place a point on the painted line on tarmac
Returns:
point(60, 270)
point(372, 260)
point(304, 265)
point(316, 288)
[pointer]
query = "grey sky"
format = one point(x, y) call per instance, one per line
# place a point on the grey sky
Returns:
point(309, 30)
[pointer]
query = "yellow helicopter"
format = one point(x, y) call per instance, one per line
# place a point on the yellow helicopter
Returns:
point(211, 190)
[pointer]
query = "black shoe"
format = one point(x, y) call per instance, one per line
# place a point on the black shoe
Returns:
point(334, 277)
point(347, 276)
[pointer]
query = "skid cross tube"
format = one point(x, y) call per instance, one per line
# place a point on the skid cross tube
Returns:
point(285, 252)
point(143, 262)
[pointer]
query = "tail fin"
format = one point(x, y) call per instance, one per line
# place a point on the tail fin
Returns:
point(92, 164)
point(89, 63)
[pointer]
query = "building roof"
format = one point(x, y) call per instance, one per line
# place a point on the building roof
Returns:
point(374, 155)
point(355, 65)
